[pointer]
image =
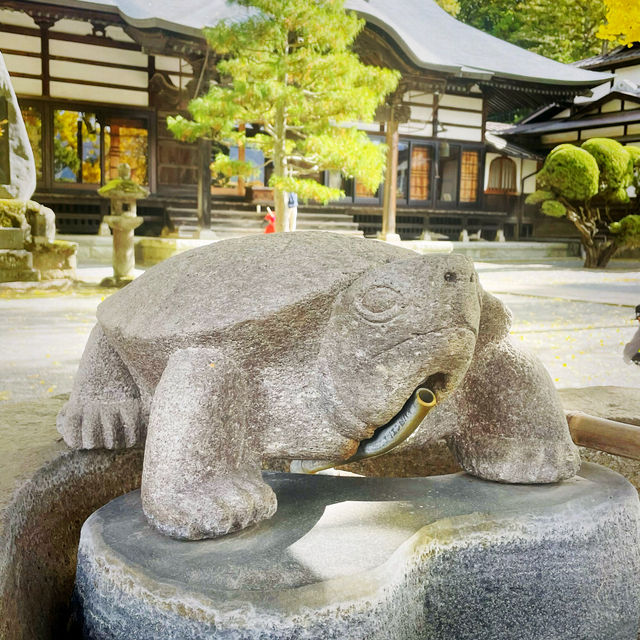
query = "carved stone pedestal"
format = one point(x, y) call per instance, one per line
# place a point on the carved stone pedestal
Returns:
point(445, 557)
point(124, 259)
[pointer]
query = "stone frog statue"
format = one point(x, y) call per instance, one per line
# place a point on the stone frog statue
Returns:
point(303, 346)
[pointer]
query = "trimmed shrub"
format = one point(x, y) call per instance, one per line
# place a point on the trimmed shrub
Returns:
point(571, 172)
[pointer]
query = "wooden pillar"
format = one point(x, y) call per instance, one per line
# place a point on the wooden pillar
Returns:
point(390, 183)
point(204, 184)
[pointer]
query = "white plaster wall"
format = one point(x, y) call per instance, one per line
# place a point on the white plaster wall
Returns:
point(629, 73)
point(603, 132)
point(17, 19)
point(558, 138)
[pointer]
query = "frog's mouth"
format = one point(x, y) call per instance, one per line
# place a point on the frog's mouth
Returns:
point(390, 435)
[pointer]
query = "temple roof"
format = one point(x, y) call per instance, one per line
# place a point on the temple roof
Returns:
point(427, 35)
point(619, 57)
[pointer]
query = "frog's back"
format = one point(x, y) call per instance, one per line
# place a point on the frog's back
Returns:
point(211, 288)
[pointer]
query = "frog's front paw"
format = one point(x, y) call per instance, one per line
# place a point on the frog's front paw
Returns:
point(213, 508)
point(97, 424)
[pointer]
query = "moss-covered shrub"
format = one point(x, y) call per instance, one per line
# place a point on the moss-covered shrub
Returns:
point(615, 165)
point(562, 147)
point(539, 196)
point(12, 213)
point(627, 231)
point(582, 183)
point(570, 172)
point(634, 152)
point(553, 208)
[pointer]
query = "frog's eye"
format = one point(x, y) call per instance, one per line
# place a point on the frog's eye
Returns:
point(379, 303)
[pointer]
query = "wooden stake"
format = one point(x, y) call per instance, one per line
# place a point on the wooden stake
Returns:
point(618, 438)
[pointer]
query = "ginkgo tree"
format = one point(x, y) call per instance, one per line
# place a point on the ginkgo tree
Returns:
point(288, 68)
point(623, 22)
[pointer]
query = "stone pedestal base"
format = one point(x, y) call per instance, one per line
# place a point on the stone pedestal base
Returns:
point(446, 557)
point(16, 265)
point(388, 237)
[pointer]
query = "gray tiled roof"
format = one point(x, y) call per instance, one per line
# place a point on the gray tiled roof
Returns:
point(428, 36)
point(618, 56)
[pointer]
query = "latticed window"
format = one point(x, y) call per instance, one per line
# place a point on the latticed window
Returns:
point(420, 173)
point(469, 176)
point(502, 176)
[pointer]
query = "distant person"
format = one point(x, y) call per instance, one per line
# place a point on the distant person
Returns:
point(292, 205)
point(632, 348)
point(270, 219)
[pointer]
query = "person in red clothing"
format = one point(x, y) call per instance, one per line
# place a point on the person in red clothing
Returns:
point(271, 221)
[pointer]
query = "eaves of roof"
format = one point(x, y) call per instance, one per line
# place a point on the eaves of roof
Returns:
point(619, 56)
point(588, 122)
point(506, 148)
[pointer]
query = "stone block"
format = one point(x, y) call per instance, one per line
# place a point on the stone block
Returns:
point(16, 265)
point(42, 221)
point(55, 260)
point(11, 238)
point(444, 558)
point(16, 259)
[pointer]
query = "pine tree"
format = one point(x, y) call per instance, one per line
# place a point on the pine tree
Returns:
point(287, 67)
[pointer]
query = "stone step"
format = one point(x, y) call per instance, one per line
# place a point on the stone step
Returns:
point(235, 222)
point(19, 275)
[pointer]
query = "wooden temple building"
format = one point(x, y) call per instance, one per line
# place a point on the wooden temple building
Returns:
point(97, 79)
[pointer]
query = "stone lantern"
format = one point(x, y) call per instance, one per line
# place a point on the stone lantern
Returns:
point(123, 194)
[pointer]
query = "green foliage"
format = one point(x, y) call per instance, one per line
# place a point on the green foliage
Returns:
point(564, 30)
point(539, 196)
point(570, 172)
point(553, 208)
point(560, 147)
point(634, 154)
point(288, 68)
point(627, 231)
point(500, 18)
point(615, 165)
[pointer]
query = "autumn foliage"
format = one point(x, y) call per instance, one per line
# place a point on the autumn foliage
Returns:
point(623, 22)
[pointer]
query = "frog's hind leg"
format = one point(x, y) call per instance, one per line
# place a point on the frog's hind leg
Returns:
point(510, 423)
point(201, 476)
point(104, 409)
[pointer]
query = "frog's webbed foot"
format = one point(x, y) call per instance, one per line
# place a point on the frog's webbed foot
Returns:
point(105, 409)
point(202, 475)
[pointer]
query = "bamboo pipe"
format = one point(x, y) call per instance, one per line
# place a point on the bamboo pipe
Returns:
point(397, 430)
point(618, 438)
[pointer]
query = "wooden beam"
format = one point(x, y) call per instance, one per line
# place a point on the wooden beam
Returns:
point(617, 438)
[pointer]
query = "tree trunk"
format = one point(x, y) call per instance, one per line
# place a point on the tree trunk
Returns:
point(282, 211)
point(280, 169)
point(597, 255)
